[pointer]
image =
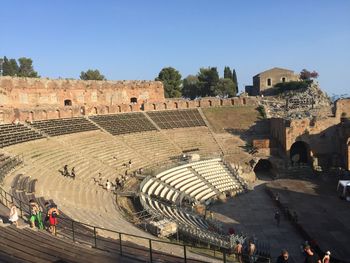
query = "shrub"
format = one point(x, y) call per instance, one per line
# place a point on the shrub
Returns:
point(292, 85)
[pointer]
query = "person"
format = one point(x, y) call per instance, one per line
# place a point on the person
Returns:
point(13, 216)
point(141, 170)
point(295, 217)
point(251, 251)
point(277, 198)
point(117, 183)
point(283, 258)
point(108, 185)
point(52, 215)
point(277, 218)
point(238, 251)
point(129, 164)
point(35, 215)
point(310, 256)
point(327, 257)
point(100, 179)
point(65, 170)
point(73, 173)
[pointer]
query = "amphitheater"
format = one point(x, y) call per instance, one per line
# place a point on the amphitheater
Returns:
point(183, 173)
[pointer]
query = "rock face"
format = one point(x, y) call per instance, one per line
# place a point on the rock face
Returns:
point(311, 102)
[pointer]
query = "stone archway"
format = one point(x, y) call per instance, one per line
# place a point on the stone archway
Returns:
point(263, 168)
point(82, 110)
point(299, 153)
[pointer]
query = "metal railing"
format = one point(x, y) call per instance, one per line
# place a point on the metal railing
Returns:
point(138, 247)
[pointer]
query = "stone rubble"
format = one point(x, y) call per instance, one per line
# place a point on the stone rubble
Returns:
point(298, 104)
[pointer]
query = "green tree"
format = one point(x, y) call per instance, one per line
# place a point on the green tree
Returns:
point(91, 74)
point(234, 78)
point(191, 87)
point(171, 79)
point(1, 62)
point(228, 73)
point(26, 68)
point(10, 67)
point(225, 88)
point(208, 78)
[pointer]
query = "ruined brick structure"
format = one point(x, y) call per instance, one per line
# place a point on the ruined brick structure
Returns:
point(326, 140)
point(264, 81)
point(45, 98)
point(39, 99)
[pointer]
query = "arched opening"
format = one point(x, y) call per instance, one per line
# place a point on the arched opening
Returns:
point(95, 110)
point(232, 102)
point(154, 106)
point(187, 104)
point(133, 100)
point(165, 106)
point(58, 114)
point(221, 102)
point(67, 103)
point(210, 103)
point(244, 101)
point(284, 79)
point(176, 105)
point(1, 116)
point(44, 115)
point(269, 82)
point(299, 153)
point(263, 168)
point(31, 116)
point(82, 110)
point(119, 109)
point(130, 107)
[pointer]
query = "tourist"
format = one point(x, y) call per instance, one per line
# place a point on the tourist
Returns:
point(295, 217)
point(129, 164)
point(277, 198)
point(100, 179)
point(251, 251)
point(310, 256)
point(141, 170)
point(283, 258)
point(13, 216)
point(117, 184)
point(327, 257)
point(35, 215)
point(108, 185)
point(72, 174)
point(52, 215)
point(238, 251)
point(277, 218)
point(65, 170)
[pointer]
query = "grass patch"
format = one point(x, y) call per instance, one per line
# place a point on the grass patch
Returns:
point(238, 118)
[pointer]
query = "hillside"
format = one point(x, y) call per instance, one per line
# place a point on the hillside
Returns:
point(238, 118)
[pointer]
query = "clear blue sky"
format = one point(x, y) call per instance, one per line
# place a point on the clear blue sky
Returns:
point(135, 39)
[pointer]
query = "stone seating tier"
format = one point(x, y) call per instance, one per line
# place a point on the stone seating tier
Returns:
point(171, 119)
point(117, 124)
point(12, 134)
point(56, 127)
